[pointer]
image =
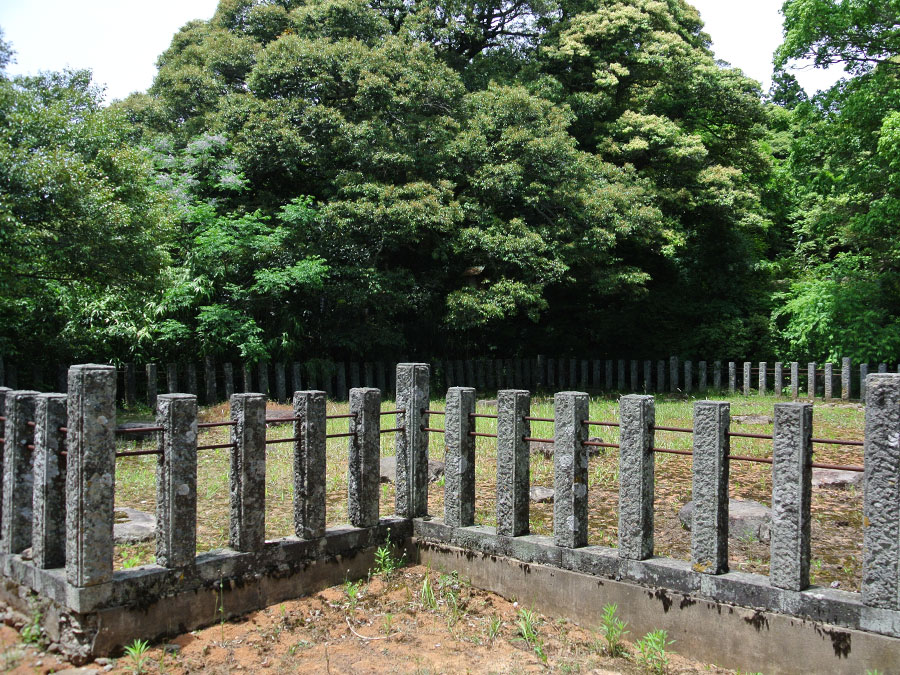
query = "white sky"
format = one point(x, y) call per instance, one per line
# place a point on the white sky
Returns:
point(119, 40)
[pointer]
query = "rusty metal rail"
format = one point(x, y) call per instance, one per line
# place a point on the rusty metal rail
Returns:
point(210, 425)
point(593, 423)
point(272, 441)
point(437, 431)
point(138, 453)
point(216, 446)
point(529, 439)
point(539, 419)
point(392, 412)
point(483, 415)
point(482, 435)
point(433, 412)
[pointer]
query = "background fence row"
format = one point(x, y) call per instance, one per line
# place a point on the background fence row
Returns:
point(214, 382)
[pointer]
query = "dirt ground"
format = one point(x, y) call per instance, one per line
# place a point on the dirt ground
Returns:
point(386, 624)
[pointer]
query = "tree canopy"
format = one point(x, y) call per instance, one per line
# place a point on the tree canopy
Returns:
point(336, 178)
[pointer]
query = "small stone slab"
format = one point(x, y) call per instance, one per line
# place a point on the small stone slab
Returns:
point(746, 519)
point(541, 495)
point(752, 419)
point(834, 479)
point(389, 470)
point(132, 526)
point(136, 436)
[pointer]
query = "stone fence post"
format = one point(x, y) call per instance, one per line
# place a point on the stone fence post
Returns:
point(791, 494)
point(673, 374)
point(18, 478)
point(90, 474)
point(660, 376)
point(811, 380)
point(209, 379)
point(732, 377)
point(717, 375)
point(130, 385)
point(247, 524)
point(309, 464)
point(636, 473)
point(881, 508)
point(413, 382)
point(779, 379)
point(829, 381)
point(513, 469)
point(795, 380)
point(570, 469)
point(863, 376)
point(363, 483)
point(763, 372)
point(709, 531)
point(459, 458)
point(845, 379)
point(703, 384)
point(48, 541)
point(176, 481)
point(688, 376)
point(152, 376)
point(748, 371)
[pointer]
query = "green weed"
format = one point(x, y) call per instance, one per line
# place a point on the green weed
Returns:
point(137, 654)
point(527, 625)
point(651, 651)
point(613, 630)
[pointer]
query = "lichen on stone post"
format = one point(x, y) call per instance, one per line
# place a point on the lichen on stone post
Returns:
point(459, 457)
point(513, 470)
point(709, 530)
point(636, 475)
point(18, 478)
point(176, 481)
point(791, 496)
point(90, 474)
point(363, 483)
point(413, 383)
point(248, 472)
point(570, 469)
point(48, 541)
point(309, 463)
point(881, 495)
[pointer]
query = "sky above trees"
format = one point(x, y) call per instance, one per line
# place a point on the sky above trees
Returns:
point(120, 41)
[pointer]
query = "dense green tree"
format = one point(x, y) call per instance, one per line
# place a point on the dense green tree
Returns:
point(79, 214)
point(845, 184)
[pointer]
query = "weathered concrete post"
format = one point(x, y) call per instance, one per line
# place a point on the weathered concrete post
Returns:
point(369, 374)
point(264, 378)
point(845, 379)
point(228, 376)
point(763, 368)
point(280, 382)
point(673, 374)
point(541, 373)
point(881, 508)
point(152, 377)
point(660, 376)
point(709, 531)
point(513, 469)
point(413, 381)
point(795, 380)
point(636, 473)
point(596, 374)
point(572, 363)
point(717, 375)
point(176, 481)
point(570, 469)
point(748, 371)
point(583, 381)
point(90, 474)
point(634, 375)
point(172, 377)
point(863, 376)
point(732, 377)
point(620, 375)
point(309, 464)
point(192, 378)
point(882, 367)
point(247, 524)
point(779, 379)
point(551, 375)
point(48, 540)
point(609, 375)
point(648, 377)
point(829, 381)
point(380, 376)
point(811, 380)
point(247, 371)
point(130, 385)
point(459, 458)
point(702, 385)
point(688, 376)
point(341, 388)
point(791, 492)
point(363, 482)
point(209, 378)
point(18, 477)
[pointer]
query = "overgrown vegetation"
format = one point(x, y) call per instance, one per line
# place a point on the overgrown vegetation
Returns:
point(342, 178)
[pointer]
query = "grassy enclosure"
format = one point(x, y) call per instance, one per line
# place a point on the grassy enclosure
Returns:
point(837, 514)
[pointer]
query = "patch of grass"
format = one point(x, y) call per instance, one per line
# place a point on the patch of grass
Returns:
point(651, 651)
point(137, 655)
point(613, 630)
point(427, 598)
point(527, 624)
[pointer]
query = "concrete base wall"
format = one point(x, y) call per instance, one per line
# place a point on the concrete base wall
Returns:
point(728, 636)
